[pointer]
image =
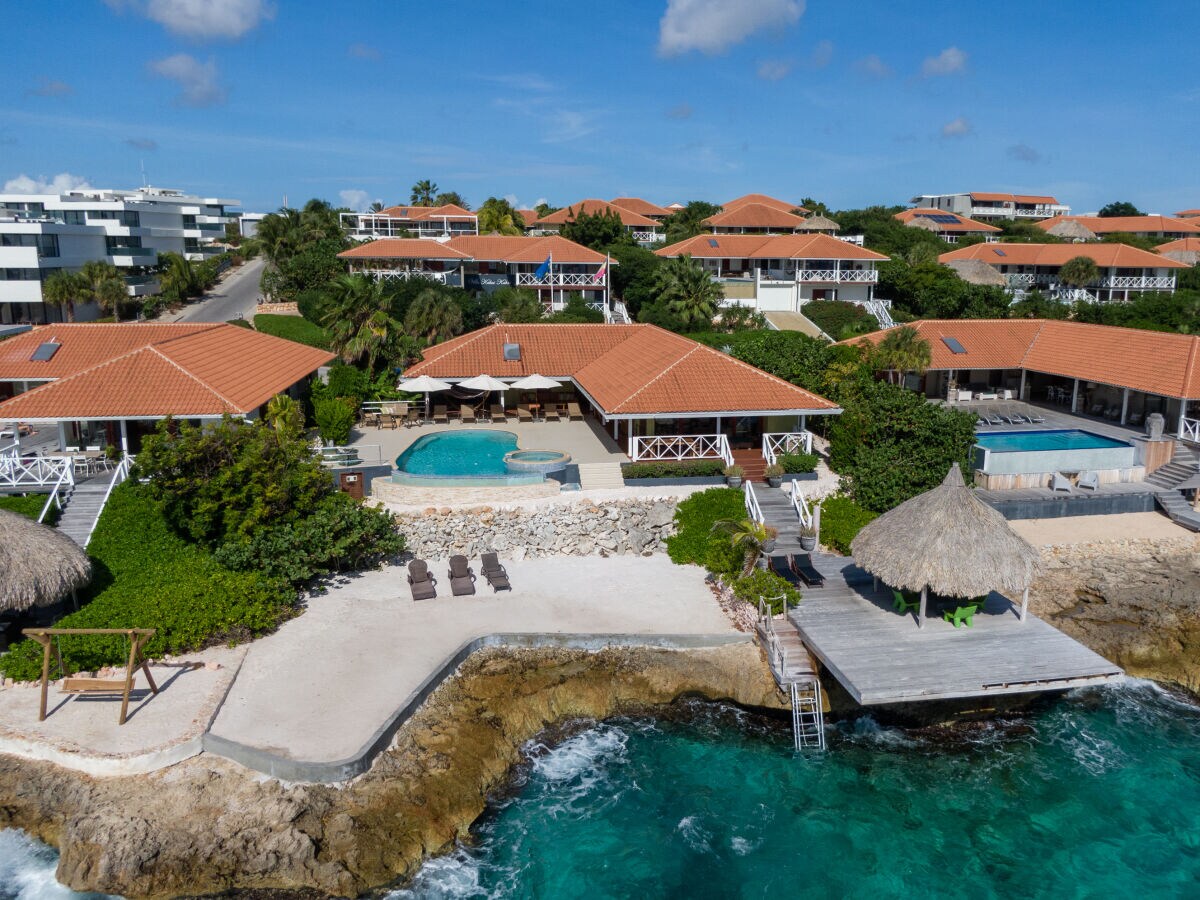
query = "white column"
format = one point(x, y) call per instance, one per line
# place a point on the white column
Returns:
point(1021, 390)
point(1074, 393)
point(718, 424)
point(1024, 604)
point(62, 435)
point(124, 439)
point(921, 612)
point(614, 429)
point(1124, 404)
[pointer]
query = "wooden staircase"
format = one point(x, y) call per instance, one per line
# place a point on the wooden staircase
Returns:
point(752, 463)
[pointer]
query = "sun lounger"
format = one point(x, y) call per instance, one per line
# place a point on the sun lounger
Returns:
point(420, 581)
point(495, 574)
point(991, 418)
point(574, 412)
point(1088, 480)
point(524, 414)
point(413, 417)
point(462, 579)
point(1059, 484)
point(466, 414)
point(1035, 417)
point(782, 567)
point(1096, 409)
point(498, 413)
point(440, 415)
point(962, 615)
point(550, 412)
point(801, 564)
point(1018, 419)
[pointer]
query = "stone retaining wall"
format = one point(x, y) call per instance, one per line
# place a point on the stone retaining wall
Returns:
point(577, 529)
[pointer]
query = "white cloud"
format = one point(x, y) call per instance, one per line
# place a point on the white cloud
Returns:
point(198, 85)
point(774, 69)
point(363, 51)
point(948, 62)
point(230, 19)
point(568, 125)
point(956, 128)
point(359, 201)
point(59, 184)
point(511, 200)
point(873, 67)
point(539, 202)
point(713, 26)
point(50, 87)
point(1024, 153)
point(822, 55)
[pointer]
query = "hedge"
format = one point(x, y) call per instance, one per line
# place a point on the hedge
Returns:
point(293, 328)
point(146, 577)
point(765, 584)
point(691, 468)
point(694, 519)
point(30, 506)
point(797, 463)
point(841, 520)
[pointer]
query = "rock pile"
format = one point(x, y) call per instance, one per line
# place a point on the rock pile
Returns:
point(580, 529)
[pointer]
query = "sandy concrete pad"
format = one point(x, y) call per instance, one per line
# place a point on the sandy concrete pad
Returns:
point(1069, 530)
point(319, 688)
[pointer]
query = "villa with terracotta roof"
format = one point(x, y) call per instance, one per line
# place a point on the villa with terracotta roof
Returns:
point(643, 229)
point(946, 225)
point(754, 218)
point(1141, 226)
point(1188, 214)
point(989, 205)
point(785, 271)
point(552, 266)
point(444, 221)
point(1124, 270)
point(642, 207)
point(107, 384)
point(1184, 250)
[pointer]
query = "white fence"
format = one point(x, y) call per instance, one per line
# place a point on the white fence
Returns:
point(33, 471)
point(1189, 430)
point(804, 276)
point(405, 275)
point(1138, 281)
point(753, 510)
point(809, 515)
point(561, 279)
point(680, 447)
point(882, 311)
point(775, 443)
point(646, 237)
point(121, 473)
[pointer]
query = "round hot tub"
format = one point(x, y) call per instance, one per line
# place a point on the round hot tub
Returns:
point(541, 461)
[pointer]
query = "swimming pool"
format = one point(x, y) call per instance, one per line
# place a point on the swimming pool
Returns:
point(482, 456)
point(1056, 439)
point(1051, 450)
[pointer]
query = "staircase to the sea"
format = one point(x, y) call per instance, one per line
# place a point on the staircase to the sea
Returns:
point(796, 675)
point(82, 506)
point(1184, 464)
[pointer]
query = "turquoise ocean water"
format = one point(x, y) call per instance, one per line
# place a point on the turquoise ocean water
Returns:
point(1095, 795)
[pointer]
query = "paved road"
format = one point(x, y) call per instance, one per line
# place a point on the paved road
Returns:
point(237, 294)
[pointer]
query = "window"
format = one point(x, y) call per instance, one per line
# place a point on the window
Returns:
point(74, 217)
point(127, 218)
point(191, 245)
point(117, 244)
point(19, 275)
point(189, 221)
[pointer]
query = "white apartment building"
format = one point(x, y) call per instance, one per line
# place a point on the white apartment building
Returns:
point(44, 233)
point(986, 205)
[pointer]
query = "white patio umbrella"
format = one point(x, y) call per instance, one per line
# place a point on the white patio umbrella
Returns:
point(424, 385)
point(486, 383)
point(535, 383)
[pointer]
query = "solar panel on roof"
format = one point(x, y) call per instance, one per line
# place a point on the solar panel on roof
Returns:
point(712, 242)
point(45, 352)
point(998, 251)
point(954, 345)
point(944, 219)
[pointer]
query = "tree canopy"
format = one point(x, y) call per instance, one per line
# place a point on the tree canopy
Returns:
point(498, 216)
point(685, 223)
point(600, 230)
point(1119, 208)
point(688, 291)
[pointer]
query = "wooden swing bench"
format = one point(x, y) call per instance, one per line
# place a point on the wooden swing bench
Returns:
point(137, 638)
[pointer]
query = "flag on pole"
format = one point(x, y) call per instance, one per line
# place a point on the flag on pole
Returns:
point(544, 269)
point(601, 272)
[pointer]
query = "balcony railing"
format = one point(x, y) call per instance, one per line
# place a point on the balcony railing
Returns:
point(1189, 430)
point(32, 471)
point(680, 446)
point(405, 274)
point(130, 251)
point(840, 276)
point(1139, 281)
point(560, 279)
point(646, 237)
point(775, 443)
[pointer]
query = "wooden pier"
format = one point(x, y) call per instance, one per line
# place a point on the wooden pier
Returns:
point(881, 657)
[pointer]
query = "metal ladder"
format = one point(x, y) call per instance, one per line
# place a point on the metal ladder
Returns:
point(808, 722)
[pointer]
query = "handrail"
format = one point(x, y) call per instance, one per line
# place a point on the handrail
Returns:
point(68, 475)
point(776, 442)
point(30, 471)
point(119, 475)
point(680, 447)
point(803, 511)
point(1189, 429)
point(752, 507)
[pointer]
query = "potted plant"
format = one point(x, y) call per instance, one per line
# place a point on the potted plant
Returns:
point(768, 544)
point(808, 537)
point(733, 476)
point(774, 473)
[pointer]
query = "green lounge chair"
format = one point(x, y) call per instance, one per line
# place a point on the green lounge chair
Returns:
point(903, 604)
point(962, 615)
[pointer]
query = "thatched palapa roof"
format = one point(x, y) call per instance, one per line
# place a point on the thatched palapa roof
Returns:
point(819, 223)
point(38, 565)
point(976, 271)
point(1071, 230)
point(948, 540)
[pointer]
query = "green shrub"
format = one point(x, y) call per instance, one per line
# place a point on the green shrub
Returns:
point(689, 468)
point(722, 558)
point(769, 586)
point(293, 328)
point(840, 319)
point(798, 463)
point(30, 506)
point(348, 381)
point(335, 419)
point(148, 577)
point(694, 519)
point(841, 520)
point(240, 323)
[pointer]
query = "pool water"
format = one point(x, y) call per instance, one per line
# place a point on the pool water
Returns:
point(1060, 439)
point(466, 453)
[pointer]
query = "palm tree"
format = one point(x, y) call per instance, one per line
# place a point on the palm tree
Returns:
point(498, 216)
point(433, 316)
point(319, 221)
point(358, 318)
point(104, 285)
point(63, 290)
point(688, 291)
point(279, 234)
point(746, 535)
point(376, 207)
point(903, 350)
point(423, 193)
point(1079, 272)
point(178, 280)
point(285, 415)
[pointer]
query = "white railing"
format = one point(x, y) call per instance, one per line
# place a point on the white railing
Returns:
point(882, 311)
point(809, 516)
point(560, 279)
point(753, 510)
point(121, 473)
point(1138, 281)
point(32, 471)
point(405, 274)
point(620, 314)
point(861, 276)
point(776, 442)
point(67, 477)
point(680, 447)
point(1189, 430)
point(1074, 295)
point(646, 237)
point(1025, 279)
point(856, 239)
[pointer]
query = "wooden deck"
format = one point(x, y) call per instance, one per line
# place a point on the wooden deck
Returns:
point(881, 657)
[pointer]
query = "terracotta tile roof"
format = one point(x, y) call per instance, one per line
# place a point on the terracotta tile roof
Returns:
point(1125, 224)
point(1015, 198)
point(450, 210)
point(1185, 245)
point(528, 216)
point(1153, 361)
point(182, 370)
point(592, 207)
point(640, 206)
point(764, 200)
point(402, 248)
point(488, 247)
point(754, 215)
point(768, 246)
point(626, 369)
point(1105, 255)
point(961, 224)
point(1188, 213)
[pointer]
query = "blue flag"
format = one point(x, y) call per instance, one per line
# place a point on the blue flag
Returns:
point(543, 270)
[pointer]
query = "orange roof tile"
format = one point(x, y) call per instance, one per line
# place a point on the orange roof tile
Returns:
point(768, 246)
point(1153, 361)
point(640, 206)
point(182, 370)
point(1185, 245)
point(488, 247)
point(1107, 255)
point(960, 224)
point(594, 207)
point(450, 210)
point(402, 248)
point(763, 200)
point(754, 215)
point(1015, 198)
point(628, 370)
point(1188, 213)
point(1125, 224)
point(528, 216)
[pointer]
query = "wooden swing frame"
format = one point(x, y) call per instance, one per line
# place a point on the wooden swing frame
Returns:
point(137, 640)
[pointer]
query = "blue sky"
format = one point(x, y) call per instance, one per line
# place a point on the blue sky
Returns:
point(850, 103)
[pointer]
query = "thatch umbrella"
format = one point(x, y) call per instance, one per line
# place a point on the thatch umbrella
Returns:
point(819, 223)
point(976, 271)
point(1072, 230)
point(947, 541)
point(40, 565)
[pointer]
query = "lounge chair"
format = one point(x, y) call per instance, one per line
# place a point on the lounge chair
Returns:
point(462, 579)
point(1088, 480)
point(1059, 484)
point(440, 415)
point(781, 566)
point(962, 615)
point(495, 574)
point(550, 412)
point(801, 564)
point(989, 416)
point(903, 604)
point(1035, 417)
point(466, 414)
point(498, 414)
point(413, 417)
point(1017, 419)
point(574, 413)
point(420, 581)
point(524, 414)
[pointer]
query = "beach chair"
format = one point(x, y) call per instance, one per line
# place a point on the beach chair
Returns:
point(574, 413)
point(903, 604)
point(1035, 417)
point(550, 412)
point(962, 615)
point(801, 564)
point(440, 415)
point(1089, 481)
point(466, 414)
point(1059, 484)
point(989, 416)
point(462, 579)
point(498, 414)
point(524, 414)
point(420, 581)
point(780, 565)
point(495, 573)
point(412, 417)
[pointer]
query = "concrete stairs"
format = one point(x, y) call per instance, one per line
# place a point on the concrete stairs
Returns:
point(1185, 463)
point(594, 476)
point(752, 463)
point(1178, 509)
point(82, 506)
